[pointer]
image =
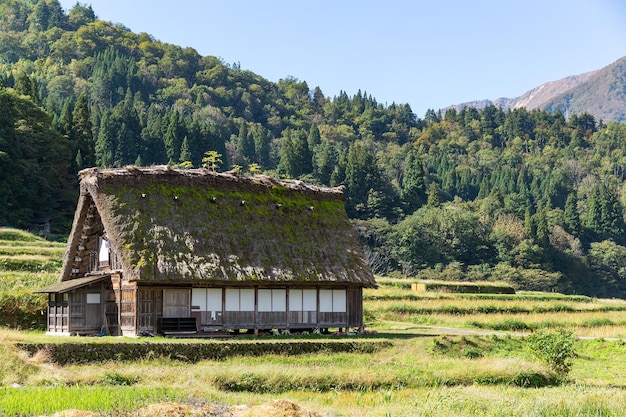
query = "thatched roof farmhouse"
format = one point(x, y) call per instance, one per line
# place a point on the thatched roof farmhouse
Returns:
point(162, 249)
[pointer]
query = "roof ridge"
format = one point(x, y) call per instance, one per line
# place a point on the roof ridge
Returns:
point(90, 175)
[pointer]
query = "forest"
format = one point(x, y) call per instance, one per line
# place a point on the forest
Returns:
point(531, 198)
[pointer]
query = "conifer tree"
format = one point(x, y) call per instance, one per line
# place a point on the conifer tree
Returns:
point(153, 146)
point(434, 199)
point(185, 153)
point(173, 138)
point(484, 189)
point(413, 186)
point(65, 123)
point(286, 166)
point(262, 140)
point(80, 15)
point(245, 143)
point(27, 86)
point(38, 19)
point(571, 217)
point(105, 145)
point(302, 153)
point(314, 137)
point(361, 176)
point(325, 162)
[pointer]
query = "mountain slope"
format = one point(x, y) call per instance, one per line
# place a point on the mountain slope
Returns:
point(601, 93)
point(540, 97)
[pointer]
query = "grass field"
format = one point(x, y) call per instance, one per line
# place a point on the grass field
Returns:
point(447, 355)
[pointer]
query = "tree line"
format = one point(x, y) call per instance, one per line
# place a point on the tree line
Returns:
point(529, 197)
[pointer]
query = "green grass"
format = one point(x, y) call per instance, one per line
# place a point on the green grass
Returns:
point(18, 235)
point(108, 400)
point(13, 250)
point(16, 280)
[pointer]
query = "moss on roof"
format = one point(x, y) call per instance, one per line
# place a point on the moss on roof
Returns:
point(196, 225)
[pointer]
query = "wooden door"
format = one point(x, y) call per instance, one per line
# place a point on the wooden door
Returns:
point(146, 309)
point(176, 302)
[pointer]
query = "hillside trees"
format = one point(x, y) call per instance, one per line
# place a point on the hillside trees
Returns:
point(35, 177)
point(526, 196)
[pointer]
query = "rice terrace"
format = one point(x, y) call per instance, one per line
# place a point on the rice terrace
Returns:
point(432, 353)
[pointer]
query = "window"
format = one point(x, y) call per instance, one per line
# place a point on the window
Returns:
point(207, 299)
point(272, 300)
point(239, 299)
point(303, 300)
point(333, 301)
point(93, 298)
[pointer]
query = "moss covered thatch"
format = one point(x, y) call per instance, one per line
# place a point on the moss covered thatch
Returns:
point(196, 225)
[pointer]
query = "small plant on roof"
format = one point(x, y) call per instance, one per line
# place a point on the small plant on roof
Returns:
point(184, 165)
point(211, 160)
point(254, 168)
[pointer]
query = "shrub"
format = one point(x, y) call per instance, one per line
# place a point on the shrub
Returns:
point(116, 378)
point(556, 349)
point(534, 379)
point(89, 352)
point(511, 325)
point(471, 353)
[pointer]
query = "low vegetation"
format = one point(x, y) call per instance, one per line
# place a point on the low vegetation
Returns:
point(425, 354)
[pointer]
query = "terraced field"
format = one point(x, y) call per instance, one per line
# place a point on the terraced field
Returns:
point(27, 262)
point(435, 354)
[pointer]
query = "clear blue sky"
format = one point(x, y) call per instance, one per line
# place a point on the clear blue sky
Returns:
point(427, 54)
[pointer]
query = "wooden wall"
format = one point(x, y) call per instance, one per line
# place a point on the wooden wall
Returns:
point(277, 308)
point(124, 308)
point(86, 311)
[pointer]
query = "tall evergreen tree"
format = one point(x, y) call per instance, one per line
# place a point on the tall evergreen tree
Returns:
point(40, 16)
point(65, 124)
point(361, 176)
point(262, 145)
point(314, 136)
point(173, 138)
point(105, 143)
point(80, 15)
point(603, 216)
point(413, 186)
point(302, 153)
point(434, 199)
point(185, 153)
point(295, 157)
point(27, 86)
point(571, 218)
point(612, 213)
point(325, 162)
point(245, 143)
point(287, 166)
point(153, 149)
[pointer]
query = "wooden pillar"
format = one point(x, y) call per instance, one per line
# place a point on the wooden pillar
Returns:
point(256, 310)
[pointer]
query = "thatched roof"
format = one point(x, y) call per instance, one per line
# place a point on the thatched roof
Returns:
point(196, 225)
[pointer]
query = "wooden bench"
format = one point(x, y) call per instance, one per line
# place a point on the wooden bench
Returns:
point(177, 325)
